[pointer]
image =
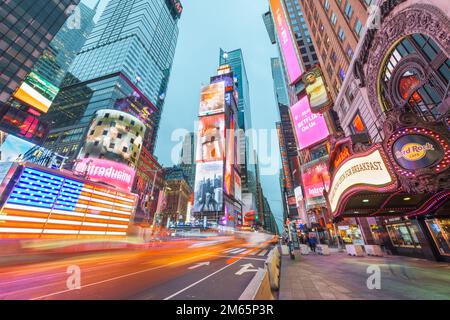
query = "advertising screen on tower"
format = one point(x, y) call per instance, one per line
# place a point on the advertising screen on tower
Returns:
point(209, 187)
point(315, 178)
point(113, 173)
point(211, 141)
point(316, 89)
point(212, 99)
point(286, 42)
point(115, 136)
point(37, 92)
point(310, 128)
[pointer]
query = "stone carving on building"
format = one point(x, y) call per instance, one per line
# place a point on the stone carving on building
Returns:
point(419, 18)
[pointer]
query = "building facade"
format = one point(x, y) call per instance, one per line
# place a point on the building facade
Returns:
point(396, 93)
point(187, 158)
point(28, 27)
point(125, 63)
point(177, 196)
point(335, 28)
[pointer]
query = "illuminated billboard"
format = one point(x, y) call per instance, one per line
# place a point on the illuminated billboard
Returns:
point(68, 208)
point(209, 187)
point(310, 128)
point(229, 167)
point(22, 124)
point(14, 149)
point(212, 99)
point(319, 99)
point(115, 136)
point(316, 178)
point(366, 173)
point(237, 186)
point(106, 171)
point(37, 92)
point(286, 42)
point(211, 141)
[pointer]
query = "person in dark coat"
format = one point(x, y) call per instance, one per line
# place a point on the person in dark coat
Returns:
point(312, 241)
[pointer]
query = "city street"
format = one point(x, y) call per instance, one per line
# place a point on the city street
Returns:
point(179, 270)
point(343, 277)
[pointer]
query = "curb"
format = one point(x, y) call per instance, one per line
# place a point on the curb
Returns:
point(266, 281)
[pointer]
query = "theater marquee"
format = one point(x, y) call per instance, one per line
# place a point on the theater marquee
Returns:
point(368, 171)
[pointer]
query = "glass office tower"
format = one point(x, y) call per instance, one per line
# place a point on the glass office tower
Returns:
point(235, 60)
point(125, 64)
point(62, 50)
point(138, 39)
point(27, 27)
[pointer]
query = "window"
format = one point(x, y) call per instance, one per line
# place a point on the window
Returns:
point(326, 5)
point(105, 132)
point(358, 28)
point(333, 18)
point(440, 231)
point(348, 10)
point(403, 235)
point(341, 34)
point(357, 125)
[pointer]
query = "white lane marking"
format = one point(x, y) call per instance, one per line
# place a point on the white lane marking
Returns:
point(262, 252)
point(248, 251)
point(120, 277)
point(237, 251)
point(243, 258)
point(198, 265)
point(246, 268)
point(229, 250)
point(199, 281)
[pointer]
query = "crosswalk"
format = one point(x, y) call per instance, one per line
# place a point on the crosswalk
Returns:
point(260, 252)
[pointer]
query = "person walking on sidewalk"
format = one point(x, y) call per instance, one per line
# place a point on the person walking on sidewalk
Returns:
point(312, 241)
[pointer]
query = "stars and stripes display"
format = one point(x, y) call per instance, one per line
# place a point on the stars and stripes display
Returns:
point(46, 204)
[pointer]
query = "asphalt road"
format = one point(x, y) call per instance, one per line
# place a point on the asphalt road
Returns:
point(211, 269)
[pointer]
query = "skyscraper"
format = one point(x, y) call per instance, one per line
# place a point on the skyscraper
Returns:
point(235, 60)
point(187, 158)
point(62, 50)
point(27, 27)
point(335, 28)
point(136, 38)
point(125, 64)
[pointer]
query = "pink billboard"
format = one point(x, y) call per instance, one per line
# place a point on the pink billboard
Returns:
point(110, 172)
point(315, 178)
point(287, 45)
point(310, 128)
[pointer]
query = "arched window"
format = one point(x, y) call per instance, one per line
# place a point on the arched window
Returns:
point(416, 77)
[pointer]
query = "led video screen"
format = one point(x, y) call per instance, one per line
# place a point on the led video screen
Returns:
point(209, 187)
point(212, 99)
point(311, 128)
point(210, 142)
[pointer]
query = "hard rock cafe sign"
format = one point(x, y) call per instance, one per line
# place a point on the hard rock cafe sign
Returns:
point(419, 152)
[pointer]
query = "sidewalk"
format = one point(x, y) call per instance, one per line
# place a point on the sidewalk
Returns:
point(341, 277)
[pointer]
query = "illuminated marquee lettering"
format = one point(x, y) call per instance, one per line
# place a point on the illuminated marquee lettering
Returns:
point(370, 170)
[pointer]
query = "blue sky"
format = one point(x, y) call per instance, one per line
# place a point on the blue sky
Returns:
point(205, 27)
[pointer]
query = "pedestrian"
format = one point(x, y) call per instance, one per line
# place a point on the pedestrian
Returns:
point(312, 243)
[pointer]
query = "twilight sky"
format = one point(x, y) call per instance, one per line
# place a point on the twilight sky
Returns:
point(205, 27)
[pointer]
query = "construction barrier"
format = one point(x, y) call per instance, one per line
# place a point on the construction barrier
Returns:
point(323, 249)
point(266, 281)
point(304, 249)
point(373, 250)
point(273, 264)
point(354, 250)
